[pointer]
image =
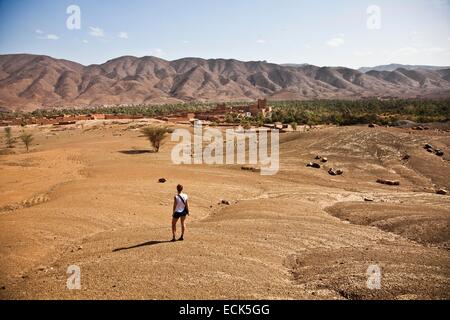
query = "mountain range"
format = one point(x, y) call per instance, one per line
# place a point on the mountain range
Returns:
point(29, 82)
point(395, 66)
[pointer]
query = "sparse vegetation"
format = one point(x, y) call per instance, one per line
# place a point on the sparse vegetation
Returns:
point(156, 136)
point(9, 139)
point(27, 139)
point(314, 112)
point(246, 124)
point(346, 112)
point(294, 126)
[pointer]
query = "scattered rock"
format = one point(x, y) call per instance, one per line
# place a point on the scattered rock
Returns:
point(318, 157)
point(226, 202)
point(443, 192)
point(313, 165)
point(162, 180)
point(334, 172)
point(373, 125)
point(430, 149)
point(3, 288)
point(80, 248)
point(367, 199)
point(406, 157)
point(388, 182)
point(324, 160)
point(252, 169)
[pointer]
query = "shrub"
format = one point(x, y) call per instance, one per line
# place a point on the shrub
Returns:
point(245, 123)
point(156, 136)
point(9, 138)
point(294, 126)
point(27, 139)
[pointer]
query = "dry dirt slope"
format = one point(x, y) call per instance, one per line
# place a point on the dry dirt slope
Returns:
point(277, 239)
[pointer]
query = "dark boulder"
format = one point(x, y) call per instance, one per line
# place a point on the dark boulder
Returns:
point(334, 172)
point(388, 182)
point(440, 153)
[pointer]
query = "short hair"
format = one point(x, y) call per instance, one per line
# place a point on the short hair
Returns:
point(179, 188)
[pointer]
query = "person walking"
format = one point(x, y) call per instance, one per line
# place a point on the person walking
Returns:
point(180, 212)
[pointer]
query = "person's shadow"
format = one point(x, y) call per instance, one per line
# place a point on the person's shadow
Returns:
point(145, 244)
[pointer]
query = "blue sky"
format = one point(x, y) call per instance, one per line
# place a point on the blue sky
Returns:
point(321, 32)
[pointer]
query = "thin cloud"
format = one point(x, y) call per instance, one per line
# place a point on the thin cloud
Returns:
point(261, 41)
point(123, 35)
point(96, 32)
point(52, 37)
point(434, 50)
point(414, 51)
point(157, 52)
point(336, 42)
point(405, 51)
point(49, 36)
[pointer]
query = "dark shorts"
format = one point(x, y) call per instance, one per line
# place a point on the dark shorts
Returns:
point(178, 215)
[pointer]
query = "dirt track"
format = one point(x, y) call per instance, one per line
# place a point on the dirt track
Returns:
point(81, 198)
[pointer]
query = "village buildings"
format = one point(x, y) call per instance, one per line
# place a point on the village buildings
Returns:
point(219, 114)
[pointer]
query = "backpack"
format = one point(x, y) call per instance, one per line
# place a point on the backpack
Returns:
point(186, 210)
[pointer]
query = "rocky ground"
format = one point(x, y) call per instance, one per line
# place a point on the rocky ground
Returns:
point(89, 196)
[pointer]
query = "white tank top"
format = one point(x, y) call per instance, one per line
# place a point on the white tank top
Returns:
point(180, 205)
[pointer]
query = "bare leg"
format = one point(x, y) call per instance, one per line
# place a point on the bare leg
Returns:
point(174, 227)
point(183, 227)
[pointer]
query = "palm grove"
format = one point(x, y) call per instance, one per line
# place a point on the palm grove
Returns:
point(314, 112)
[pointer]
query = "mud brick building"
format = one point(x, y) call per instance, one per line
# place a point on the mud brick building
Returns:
point(245, 111)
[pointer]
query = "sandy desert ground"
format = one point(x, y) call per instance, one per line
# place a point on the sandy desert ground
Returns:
point(90, 197)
